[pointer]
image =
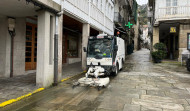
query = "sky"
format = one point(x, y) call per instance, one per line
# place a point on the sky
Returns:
point(140, 2)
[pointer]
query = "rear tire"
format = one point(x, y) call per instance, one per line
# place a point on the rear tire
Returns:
point(122, 63)
point(188, 64)
point(117, 70)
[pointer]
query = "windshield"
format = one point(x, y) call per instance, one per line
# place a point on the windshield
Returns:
point(100, 48)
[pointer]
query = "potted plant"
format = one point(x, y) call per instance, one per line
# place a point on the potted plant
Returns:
point(159, 53)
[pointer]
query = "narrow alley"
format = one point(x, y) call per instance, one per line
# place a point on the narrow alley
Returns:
point(140, 86)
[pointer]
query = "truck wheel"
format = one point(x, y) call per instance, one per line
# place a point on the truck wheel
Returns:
point(117, 70)
point(122, 65)
point(188, 64)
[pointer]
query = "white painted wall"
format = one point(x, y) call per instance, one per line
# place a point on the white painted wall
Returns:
point(98, 13)
point(182, 10)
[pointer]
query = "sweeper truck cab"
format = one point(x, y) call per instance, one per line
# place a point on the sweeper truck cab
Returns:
point(105, 56)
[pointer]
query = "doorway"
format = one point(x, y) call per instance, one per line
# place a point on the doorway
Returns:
point(31, 46)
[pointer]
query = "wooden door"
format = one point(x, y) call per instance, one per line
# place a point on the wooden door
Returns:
point(31, 47)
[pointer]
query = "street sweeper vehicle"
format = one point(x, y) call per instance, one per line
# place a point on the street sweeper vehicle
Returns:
point(105, 57)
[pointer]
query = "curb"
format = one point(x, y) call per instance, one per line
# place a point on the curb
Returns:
point(3, 104)
point(8, 102)
point(72, 76)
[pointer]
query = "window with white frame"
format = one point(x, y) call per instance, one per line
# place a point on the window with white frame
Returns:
point(96, 3)
point(112, 10)
point(106, 8)
point(168, 3)
point(171, 7)
point(101, 5)
point(168, 7)
point(174, 11)
point(174, 3)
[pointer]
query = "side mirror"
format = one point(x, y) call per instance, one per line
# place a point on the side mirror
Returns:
point(116, 47)
point(84, 49)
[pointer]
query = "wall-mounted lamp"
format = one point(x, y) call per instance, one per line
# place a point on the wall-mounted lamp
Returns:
point(11, 24)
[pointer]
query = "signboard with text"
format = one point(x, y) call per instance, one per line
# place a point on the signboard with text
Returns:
point(172, 29)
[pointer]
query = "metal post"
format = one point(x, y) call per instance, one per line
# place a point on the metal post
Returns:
point(56, 52)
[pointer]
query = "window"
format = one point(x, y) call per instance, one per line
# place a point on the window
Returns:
point(168, 7)
point(168, 3)
point(107, 8)
point(101, 5)
point(171, 7)
point(174, 6)
point(97, 3)
point(174, 2)
point(112, 12)
point(94, 2)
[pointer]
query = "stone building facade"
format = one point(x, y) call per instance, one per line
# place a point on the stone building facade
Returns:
point(169, 22)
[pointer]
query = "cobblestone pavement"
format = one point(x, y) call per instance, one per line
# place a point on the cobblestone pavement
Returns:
point(140, 86)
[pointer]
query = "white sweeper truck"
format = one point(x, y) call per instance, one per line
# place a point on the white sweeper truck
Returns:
point(105, 56)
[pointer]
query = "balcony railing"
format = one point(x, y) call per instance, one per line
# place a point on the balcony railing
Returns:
point(80, 4)
point(176, 12)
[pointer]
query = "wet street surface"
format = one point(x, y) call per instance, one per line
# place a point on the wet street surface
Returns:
point(11, 88)
point(140, 86)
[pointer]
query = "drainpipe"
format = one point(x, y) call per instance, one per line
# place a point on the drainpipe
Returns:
point(11, 29)
point(12, 34)
point(56, 48)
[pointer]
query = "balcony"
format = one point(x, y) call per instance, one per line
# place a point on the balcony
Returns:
point(173, 13)
point(118, 18)
point(92, 13)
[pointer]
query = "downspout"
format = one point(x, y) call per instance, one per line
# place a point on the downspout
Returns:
point(56, 46)
point(12, 34)
point(11, 30)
